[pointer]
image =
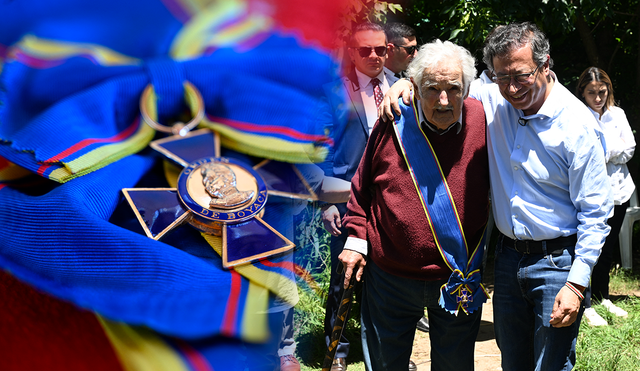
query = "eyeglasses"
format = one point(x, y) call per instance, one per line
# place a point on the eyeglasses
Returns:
point(365, 51)
point(521, 78)
point(409, 49)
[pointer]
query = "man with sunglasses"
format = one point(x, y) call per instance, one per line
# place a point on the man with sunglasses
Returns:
point(352, 105)
point(550, 198)
point(402, 47)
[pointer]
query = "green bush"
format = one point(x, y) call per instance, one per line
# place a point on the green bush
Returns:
point(313, 255)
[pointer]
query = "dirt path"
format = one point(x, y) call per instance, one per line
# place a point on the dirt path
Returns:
point(487, 355)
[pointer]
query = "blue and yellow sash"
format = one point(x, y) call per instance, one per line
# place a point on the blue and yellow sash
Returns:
point(464, 290)
point(72, 74)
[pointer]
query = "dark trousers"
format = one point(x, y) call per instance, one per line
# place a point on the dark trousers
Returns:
point(391, 308)
point(600, 277)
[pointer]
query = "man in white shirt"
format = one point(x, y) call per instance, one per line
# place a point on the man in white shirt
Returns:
point(352, 102)
point(551, 198)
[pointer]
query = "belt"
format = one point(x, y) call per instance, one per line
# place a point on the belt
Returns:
point(554, 246)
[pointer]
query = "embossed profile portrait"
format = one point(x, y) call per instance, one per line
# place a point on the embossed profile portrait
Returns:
point(220, 183)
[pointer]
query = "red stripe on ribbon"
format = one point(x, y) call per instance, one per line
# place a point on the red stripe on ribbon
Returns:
point(42, 169)
point(284, 265)
point(231, 311)
point(196, 360)
point(87, 142)
point(282, 130)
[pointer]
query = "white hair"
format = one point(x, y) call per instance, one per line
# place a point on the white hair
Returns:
point(432, 53)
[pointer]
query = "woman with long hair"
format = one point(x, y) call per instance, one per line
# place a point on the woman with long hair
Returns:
point(596, 91)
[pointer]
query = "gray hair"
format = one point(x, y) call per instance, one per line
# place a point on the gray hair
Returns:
point(432, 53)
point(366, 26)
point(514, 36)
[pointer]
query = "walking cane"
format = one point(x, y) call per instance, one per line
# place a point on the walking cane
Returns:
point(338, 326)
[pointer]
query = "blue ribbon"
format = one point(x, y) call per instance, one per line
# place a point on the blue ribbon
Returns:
point(275, 84)
point(72, 240)
point(464, 288)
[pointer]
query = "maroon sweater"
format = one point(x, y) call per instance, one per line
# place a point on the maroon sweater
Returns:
point(385, 210)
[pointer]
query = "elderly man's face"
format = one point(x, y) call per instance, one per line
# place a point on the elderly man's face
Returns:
point(442, 93)
point(530, 93)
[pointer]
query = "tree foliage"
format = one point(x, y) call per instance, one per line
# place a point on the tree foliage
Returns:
point(358, 11)
point(583, 33)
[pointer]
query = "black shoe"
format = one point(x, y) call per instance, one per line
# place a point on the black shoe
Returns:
point(423, 324)
point(412, 366)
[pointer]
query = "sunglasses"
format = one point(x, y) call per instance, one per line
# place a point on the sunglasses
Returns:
point(365, 51)
point(409, 49)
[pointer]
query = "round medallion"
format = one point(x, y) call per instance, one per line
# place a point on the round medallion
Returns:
point(221, 190)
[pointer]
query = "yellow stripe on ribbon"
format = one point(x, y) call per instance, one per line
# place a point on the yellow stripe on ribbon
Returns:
point(264, 146)
point(104, 155)
point(59, 50)
point(203, 30)
point(140, 349)
point(274, 282)
point(255, 325)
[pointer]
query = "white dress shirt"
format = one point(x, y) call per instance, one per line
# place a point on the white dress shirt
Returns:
point(620, 145)
point(548, 176)
point(368, 100)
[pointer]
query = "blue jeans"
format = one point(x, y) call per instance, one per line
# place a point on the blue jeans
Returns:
point(525, 289)
point(390, 309)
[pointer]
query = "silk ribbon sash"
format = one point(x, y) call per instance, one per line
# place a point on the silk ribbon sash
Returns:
point(74, 71)
point(464, 289)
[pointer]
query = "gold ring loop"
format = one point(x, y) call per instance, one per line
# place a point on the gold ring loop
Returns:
point(194, 99)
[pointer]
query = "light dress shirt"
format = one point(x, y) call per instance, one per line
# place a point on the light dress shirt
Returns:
point(620, 145)
point(368, 100)
point(481, 80)
point(548, 177)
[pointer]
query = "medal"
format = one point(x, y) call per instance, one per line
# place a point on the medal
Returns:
point(219, 196)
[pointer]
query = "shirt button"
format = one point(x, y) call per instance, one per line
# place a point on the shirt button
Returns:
point(515, 217)
point(516, 192)
point(518, 146)
point(515, 168)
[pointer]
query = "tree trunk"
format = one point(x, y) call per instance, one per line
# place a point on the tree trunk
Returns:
point(587, 40)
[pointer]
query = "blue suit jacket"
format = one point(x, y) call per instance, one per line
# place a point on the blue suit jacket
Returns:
point(349, 128)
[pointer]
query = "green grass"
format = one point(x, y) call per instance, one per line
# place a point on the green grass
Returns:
point(615, 347)
point(314, 256)
point(611, 348)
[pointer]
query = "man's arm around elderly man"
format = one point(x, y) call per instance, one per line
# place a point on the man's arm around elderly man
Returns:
point(418, 227)
point(550, 196)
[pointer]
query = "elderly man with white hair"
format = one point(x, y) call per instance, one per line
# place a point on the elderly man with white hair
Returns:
point(417, 215)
